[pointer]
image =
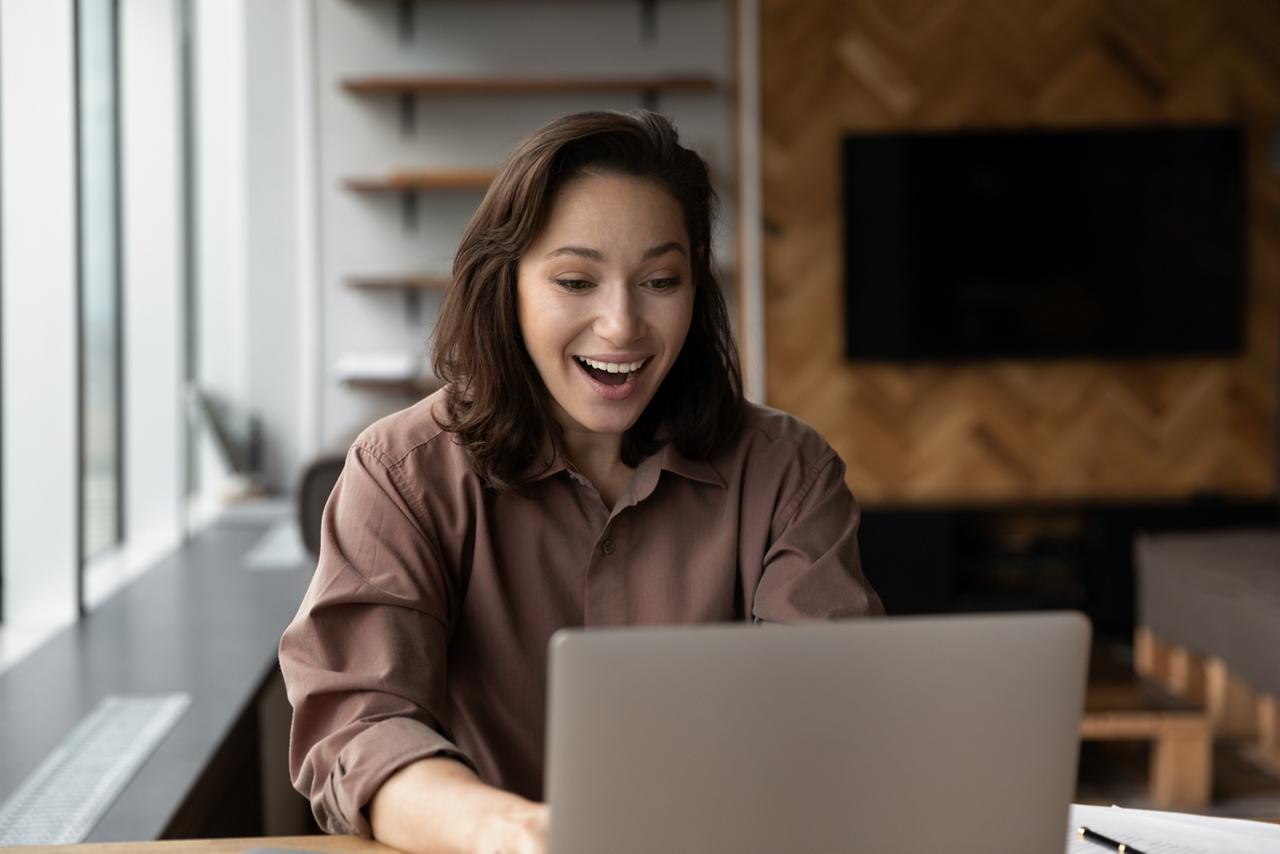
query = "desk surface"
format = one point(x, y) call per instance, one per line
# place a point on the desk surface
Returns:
point(341, 844)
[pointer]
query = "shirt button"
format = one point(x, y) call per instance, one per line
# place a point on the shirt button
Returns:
point(608, 547)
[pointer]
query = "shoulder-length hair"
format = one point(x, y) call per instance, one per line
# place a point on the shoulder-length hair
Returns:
point(497, 405)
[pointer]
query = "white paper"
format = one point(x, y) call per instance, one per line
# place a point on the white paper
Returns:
point(1170, 833)
point(1239, 826)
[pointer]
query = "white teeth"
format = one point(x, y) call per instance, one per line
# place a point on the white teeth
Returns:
point(613, 367)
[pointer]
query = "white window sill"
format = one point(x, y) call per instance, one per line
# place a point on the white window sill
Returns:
point(18, 640)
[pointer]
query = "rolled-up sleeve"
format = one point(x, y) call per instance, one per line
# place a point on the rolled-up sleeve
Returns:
point(812, 570)
point(365, 658)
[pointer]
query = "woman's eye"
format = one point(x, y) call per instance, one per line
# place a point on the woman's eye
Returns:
point(573, 284)
point(662, 284)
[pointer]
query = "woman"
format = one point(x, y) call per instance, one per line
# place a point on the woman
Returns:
point(591, 461)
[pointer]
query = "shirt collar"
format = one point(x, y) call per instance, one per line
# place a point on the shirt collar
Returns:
point(677, 463)
point(551, 457)
point(668, 458)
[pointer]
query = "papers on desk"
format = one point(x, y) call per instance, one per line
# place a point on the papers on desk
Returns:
point(1171, 833)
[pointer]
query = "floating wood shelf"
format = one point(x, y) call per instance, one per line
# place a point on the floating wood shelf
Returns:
point(427, 179)
point(434, 85)
point(399, 284)
point(419, 387)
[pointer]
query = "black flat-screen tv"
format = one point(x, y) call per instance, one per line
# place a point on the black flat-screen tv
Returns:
point(1044, 244)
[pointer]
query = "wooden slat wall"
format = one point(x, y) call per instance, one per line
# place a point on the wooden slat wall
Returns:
point(1012, 430)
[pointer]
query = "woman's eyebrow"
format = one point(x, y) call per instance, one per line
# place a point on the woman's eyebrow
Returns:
point(580, 251)
point(657, 251)
point(596, 255)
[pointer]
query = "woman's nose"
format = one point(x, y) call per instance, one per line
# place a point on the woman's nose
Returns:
point(619, 319)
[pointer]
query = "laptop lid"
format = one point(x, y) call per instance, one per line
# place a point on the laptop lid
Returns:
point(907, 734)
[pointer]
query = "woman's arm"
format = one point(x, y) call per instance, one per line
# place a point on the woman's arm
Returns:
point(439, 806)
point(812, 569)
point(365, 658)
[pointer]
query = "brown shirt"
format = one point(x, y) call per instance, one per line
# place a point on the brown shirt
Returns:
point(425, 629)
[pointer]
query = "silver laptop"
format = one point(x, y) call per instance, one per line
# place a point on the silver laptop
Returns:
point(910, 734)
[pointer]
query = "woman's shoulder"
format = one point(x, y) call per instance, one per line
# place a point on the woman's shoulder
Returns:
point(766, 430)
point(776, 459)
point(412, 433)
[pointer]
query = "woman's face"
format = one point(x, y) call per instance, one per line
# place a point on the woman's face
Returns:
point(605, 298)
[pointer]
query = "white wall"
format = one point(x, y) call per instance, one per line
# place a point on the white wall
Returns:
point(271, 244)
point(221, 347)
point(255, 325)
point(153, 261)
point(38, 312)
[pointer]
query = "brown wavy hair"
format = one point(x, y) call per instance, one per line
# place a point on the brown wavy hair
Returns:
point(497, 404)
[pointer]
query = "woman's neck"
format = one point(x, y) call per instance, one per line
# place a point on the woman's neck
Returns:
point(598, 458)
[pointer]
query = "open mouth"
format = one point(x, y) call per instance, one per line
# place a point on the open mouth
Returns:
point(610, 373)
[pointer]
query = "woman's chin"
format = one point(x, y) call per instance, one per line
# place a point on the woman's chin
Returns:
point(595, 415)
point(609, 424)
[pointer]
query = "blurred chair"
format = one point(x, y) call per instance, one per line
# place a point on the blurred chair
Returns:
point(314, 487)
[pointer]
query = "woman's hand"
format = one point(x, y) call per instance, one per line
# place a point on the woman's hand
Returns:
point(520, 830)
point(439, 806)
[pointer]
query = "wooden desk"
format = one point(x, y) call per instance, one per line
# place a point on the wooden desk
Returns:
point(339, 844)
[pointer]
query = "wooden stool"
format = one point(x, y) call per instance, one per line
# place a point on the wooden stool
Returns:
point(1121, 706)
point(1236, 709)
point(1208, 627)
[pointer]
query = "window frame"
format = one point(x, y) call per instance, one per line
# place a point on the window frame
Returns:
point(107, 549)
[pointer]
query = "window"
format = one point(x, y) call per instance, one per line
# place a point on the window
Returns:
point(99, 226)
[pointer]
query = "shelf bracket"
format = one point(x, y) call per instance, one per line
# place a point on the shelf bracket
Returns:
point(649, 20)
point(404, 20)
point(408, 114)
point(413, 308)
point(409, 210)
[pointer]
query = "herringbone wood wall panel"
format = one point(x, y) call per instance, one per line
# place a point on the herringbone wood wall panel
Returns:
point(1013, 430)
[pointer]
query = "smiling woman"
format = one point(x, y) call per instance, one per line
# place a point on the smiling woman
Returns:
point(591, 462)
point(604, 321)
point(585, 171)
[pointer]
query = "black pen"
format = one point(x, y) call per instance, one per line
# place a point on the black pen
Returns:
point(1098, 839)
